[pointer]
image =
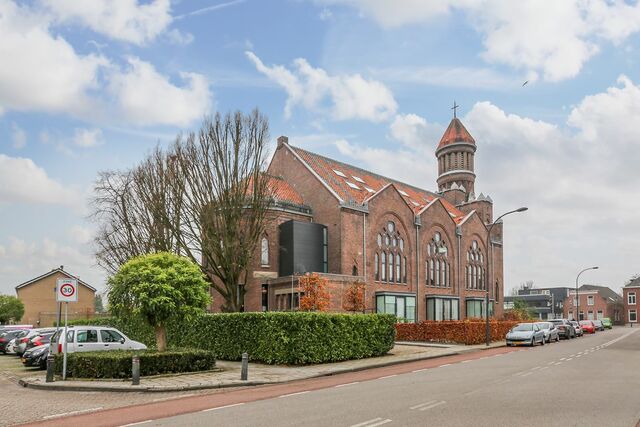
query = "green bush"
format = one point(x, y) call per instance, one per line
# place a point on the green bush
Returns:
point(275, 338)
point(117, 363)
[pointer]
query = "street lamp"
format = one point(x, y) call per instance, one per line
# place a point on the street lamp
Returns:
point(486, 272)
point(577, 313)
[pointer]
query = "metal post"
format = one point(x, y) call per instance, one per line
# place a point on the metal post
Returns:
point(64, 356)
point(244, 372)
point(135, 370)
point(50, 366)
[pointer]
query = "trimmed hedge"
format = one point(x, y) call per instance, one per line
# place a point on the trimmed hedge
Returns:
point(296, 338)
point(462, 332)
point(117, 363)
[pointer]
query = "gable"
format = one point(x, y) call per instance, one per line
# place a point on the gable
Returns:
point(51, 273)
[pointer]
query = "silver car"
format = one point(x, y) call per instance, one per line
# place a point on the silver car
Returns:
point(577, 327)
point(525, 334)
point(550, 331)
point(21, 344)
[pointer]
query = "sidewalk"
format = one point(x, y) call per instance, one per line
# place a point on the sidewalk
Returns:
point(259, 374)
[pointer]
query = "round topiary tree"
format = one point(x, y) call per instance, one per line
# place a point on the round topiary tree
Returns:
point(159, 288)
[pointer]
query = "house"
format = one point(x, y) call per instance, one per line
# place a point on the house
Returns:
point(594, 302)
point(545, 303)
point(422, 254)
point(630, 295)
point(39, 298)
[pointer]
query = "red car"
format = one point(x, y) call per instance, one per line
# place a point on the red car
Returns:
point(588, 326)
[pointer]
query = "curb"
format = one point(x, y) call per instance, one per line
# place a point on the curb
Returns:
point(151, 389)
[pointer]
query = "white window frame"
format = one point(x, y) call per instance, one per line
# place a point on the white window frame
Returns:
point(264, 252)
point(635, 315)
point(629, 295)
point(590, 300)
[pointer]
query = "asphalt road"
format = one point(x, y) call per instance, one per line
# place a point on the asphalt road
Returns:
point(590, 381)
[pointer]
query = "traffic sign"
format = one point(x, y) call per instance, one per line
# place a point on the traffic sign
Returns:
point(67, 290)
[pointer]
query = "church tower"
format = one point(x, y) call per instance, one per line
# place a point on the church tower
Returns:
point(455, 155)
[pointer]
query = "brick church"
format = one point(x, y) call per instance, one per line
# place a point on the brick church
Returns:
point(423, 255)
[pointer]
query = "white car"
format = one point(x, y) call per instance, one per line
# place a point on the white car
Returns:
point(95, 338)
point(11, 347)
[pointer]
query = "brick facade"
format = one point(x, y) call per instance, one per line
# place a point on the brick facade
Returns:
point(594, 303)
point(631, 301)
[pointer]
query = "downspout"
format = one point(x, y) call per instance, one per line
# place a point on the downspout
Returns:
point(459, 234)
point(364, 256)
point(417, 223)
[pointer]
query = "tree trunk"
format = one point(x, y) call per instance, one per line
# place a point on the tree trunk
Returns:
point(161, 338)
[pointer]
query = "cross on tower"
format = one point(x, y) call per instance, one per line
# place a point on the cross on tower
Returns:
point(454, 108)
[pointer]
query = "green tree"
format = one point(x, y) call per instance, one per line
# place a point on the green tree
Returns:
point(11, 308)
point(159, 288)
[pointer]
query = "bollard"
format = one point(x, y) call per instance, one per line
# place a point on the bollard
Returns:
point(50, 366)
point(244, 373)
point(135, 370)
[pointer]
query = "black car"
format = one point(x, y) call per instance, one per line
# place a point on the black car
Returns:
point(7, 336)
point(36, 356)
point(565, 328)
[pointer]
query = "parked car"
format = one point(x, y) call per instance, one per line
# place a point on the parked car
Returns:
point(525, 334)
point(10, 348)
point(588, 326)
point(7, 336)
point(40, 339)
point(598, 324)
point(36, 356)
point(95, 338)
point(606, 322)
point(565, 328)
point(21, 344)
point(550, 331)
point(577, 328)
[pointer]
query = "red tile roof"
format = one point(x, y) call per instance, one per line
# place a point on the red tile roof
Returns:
point(351, 183)
point(456, 132)
point(283, 192)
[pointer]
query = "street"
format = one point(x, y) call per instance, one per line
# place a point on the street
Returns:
point(587, 381)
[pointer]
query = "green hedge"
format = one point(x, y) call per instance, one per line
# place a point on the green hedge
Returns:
point(117, 363)
point(276, 338)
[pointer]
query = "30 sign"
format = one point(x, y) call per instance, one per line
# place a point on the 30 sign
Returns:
point(67, 290)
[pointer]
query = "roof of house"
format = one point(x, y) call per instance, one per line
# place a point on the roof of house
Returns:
point(353, 184)
point(54, 271)
point(456, 132)
point(604, 291)
point(283, 191)
point(633, 283)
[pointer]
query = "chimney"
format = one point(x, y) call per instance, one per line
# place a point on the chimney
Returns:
point(62, 267)
point(282, 140)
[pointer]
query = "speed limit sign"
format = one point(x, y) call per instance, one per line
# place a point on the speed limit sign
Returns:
point(67, 290)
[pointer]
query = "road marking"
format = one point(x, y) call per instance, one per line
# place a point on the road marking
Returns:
point(526, 375)
point(420, 370)
point(295, 394)
point(578, 356)
point(64, 414)
point(571, 358)
point(446, 364)
point(222, 407)
point(503, 381)
point(344, 385)
point(484, 357)
point(551, 363)
point(537, 367)
point(372, 423)
point(564, 358)
point(498, 355)
point(558, 363)
point(469, 393)
point(388, 376)
point(433, 405)
point(519, 373)
point(423, 404)
point(136, 424)
point(466, 361)
point(162, 399)
point(543, 368)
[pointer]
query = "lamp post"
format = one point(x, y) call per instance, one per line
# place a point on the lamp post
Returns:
point(486, 272)
point(577, 315)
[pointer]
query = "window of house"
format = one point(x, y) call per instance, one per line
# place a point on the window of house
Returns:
point(404, 307)
point(442, 308)
point(264, 255)
point(581, 315)
point(437, 262)
point(590, 315)
point(389, 263)
point(600, 315)
point(475, 308)
point(633, 316)
point(475, 270)
point(631, 297)
point(377, 268)
point(590, 300)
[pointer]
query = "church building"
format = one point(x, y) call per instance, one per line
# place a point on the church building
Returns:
point(423, 255)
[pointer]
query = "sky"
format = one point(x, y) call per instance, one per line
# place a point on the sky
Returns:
point(93, 86)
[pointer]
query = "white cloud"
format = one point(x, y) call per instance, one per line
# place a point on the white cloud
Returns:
point(125, 20)
point(146, 97)
point(458, 77)
point(177, 37)
point(350, 96)
point(87, 137)
point(414, 131)
point(555, 40)
point(3, 251)
point(22, 181)
point(18, 136)
point(81, 234)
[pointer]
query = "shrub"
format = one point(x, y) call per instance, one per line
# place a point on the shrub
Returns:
point(294, 338)
point(316, 297)
point(117, 364)
point(462, 332)
point(353, 298)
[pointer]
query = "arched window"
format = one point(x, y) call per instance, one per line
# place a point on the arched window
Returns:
point(391, 244)
point(264, 253)
point(475, 267)
point(437, 263)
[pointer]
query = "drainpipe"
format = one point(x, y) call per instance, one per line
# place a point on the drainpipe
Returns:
point(364, 257)
point(459, 234)
point(417, 223)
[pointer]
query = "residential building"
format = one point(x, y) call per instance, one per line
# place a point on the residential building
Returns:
point(39, 298)
point(630, 296)
point(540, 305)
point(594, 302)
point(422, 254)
point(545, 303)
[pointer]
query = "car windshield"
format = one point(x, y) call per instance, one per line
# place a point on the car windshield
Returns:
point(523, 327)
point(544, 325)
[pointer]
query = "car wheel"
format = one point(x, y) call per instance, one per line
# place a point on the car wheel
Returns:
point(542, 341)
point(533, 341)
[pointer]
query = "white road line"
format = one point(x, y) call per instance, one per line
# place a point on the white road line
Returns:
point(372, 423)
point(558, 363)
point(423, 404)
point(571, 358)
point(136, 424)
point(344, 385)
point(222, 407)
point(446, 364)
point(469, 393)
point(551, 363)
point(391, 376)
point(433, 405)
point(564, 358)
point(534, 368)
point(526, 375)
point(519, 373)
point(484, 357)
point(64, 414)
point(466, 361)
point(420, 370)
point(295, 394)
point(578, 356)
point(543, 368)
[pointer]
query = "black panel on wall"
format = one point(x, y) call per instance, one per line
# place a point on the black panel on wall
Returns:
point(302, 248)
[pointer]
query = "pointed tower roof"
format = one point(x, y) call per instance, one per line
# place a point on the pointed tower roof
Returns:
point(456, 132)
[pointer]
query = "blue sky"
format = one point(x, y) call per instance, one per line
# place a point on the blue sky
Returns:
point(90, 86)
